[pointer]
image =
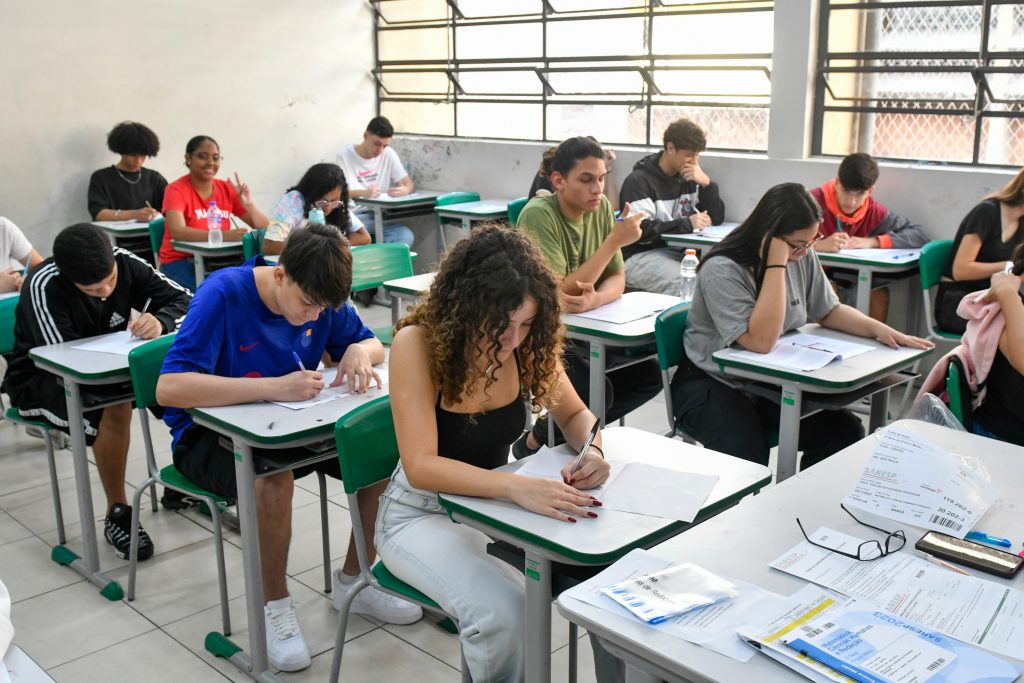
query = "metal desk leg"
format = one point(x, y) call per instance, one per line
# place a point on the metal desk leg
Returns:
point(598, 363)
point(378, 224)
point(467, 224)
point(789, 432)
point(254, 664)
point(200, 264)
point(864, 290)
point(538, 619)
point(396, 307)
point(89, 566)
point(879, 410)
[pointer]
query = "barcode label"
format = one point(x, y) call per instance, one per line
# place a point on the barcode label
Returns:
point(811, 632)
point(947, 522)
point(937, 663)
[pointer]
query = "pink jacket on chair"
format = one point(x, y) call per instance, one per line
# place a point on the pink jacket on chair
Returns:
point(977, 348)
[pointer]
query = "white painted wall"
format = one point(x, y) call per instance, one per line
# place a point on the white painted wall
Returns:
point(280, 85)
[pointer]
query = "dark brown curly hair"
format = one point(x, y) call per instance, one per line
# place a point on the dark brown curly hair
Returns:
point(479, 284)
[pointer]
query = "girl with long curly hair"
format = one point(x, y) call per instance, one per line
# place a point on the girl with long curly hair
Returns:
point(467, 363)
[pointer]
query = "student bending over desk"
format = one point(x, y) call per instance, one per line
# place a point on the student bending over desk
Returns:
point(322, 187)
point(464, 365)
point(238, 345)
point(758, 283)
point(187, 199)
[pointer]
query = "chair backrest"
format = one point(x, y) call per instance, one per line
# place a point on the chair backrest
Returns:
point(252, 243)
point(457, 198)
point(367, 445)
point(515, 207)
point(932, 261)
point(668, 334)
point(144, 363)
point(375, 264)
point(7, 307)
point(156, 234)
point(959, 392)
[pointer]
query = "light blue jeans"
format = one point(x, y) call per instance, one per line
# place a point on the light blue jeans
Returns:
point(449, 563)
point(656, 270)
point(182, 271)
point(399, 234)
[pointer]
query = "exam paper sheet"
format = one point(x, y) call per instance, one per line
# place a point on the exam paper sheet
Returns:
point(911, 480)
point(806, 352)
point(630, 307)
point(118, 343)
point(976, 611)
point(894, 255)
point(330, 393)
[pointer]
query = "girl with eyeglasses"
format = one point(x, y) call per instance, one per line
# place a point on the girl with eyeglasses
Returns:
point(185, 205)
point(323, 187)
point(760, 282)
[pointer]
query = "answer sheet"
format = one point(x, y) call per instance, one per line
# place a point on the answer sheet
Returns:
point(118, 343)
point(630, 307)
point(806, 352)
point(894, 255)
point(330, 393)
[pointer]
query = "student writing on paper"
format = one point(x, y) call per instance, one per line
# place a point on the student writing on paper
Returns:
point(984, 245)
point(238, 345)
point(186, 202)
point(581, 240)
point(678, 197)
point(86, 289)
point(126, 190)
point(853, 219)
point(373, 168)
point(758, 283)
point(464, 365)
point(17, 255)
point(322, 186)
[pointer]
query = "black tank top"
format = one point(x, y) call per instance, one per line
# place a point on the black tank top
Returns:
point(1002, 411)
point(480, 439)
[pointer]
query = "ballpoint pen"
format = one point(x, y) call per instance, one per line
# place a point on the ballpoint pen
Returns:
point(145, 307)
point(298, 361)
point(985, 538)
point(586, 445)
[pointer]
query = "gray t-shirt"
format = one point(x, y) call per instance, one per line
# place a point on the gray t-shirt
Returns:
point(725, 298)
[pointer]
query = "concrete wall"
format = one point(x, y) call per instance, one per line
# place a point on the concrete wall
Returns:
point(279, 85)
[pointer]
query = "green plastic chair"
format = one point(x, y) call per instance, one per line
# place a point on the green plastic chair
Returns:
point(375, 264)
point(448, 200)
point(367, 453)
point(669, 327)
point(7, 309)
point(933, 259)
point(959, 393)
point(156, 237)
point(252, 243)
point(515, 207)
point(144, 363)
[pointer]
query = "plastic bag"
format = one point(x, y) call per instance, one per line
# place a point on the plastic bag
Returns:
point(930, 408)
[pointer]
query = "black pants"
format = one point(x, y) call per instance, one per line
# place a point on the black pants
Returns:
point(625, 389)
point(730, 421)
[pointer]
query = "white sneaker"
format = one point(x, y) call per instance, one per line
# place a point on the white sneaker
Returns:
point(382, 606)
point(286, 648)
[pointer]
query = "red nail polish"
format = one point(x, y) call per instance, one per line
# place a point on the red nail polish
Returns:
point(572, 519)
point(596, 503)
point(592, 515)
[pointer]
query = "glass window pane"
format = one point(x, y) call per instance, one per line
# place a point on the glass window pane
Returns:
point(1002, 141)
point(583, 82)
point(608, 123)
point(413, 44)
point(905, 29)
point(499, 82)
point(504, 41)
point(425, 118)
point(696, 34)
point(516, 121)
point(742, 128)
point(592, 5)
point(596, 37)
point(900, 136)
point(711, 82)
point(1006, 28)
point(412, 10)
point(490, 8)
point(415, 83)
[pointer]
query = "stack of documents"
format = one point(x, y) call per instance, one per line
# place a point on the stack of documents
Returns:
point(806, 352)
point(656, 596)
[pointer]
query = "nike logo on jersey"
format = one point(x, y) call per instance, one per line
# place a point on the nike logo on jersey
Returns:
point(116, 319)
point(247, 347)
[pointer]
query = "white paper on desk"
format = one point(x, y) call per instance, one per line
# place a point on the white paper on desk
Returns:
point(630, 307)
point(968, 608)
point(548, 463)
point(894, 255)
point(806, 352)
point(330, 393)
point(909, 479)
point(117, 343)
point(713, 627)
point(717, 230)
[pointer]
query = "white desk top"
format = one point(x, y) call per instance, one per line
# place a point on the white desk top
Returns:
point(837, 375)
point(414, 284)
point(85, 366)
point(412, 199)
point(637, 331)
point(122, 227)
point(602, 540)
point(484, 207)
point(740, 542)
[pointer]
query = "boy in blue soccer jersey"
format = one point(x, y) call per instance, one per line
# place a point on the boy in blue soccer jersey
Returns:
point(238, 344)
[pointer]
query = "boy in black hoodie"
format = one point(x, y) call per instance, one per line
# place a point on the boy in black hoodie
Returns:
point(86, 289)
point(672, 188)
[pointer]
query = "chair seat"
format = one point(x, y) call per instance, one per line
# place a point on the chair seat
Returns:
point(394, 584)
point(13, 415)
point(952, 336)
point(172, 477)
point(384, 334)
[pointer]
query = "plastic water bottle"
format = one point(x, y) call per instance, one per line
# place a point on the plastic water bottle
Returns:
point(317, 216)
point(213, 221)
point(688, 274)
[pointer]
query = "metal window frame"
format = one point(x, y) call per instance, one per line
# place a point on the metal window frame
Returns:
point(979, 67)
point(648, 97)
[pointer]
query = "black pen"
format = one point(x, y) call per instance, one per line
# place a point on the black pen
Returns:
point(586, 446)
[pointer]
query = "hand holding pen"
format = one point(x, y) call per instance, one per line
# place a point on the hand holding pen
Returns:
point(301, 385)
point(589, 469)
point(146, 326)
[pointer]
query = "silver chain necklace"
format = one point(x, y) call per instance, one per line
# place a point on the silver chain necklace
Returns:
point(130, 182)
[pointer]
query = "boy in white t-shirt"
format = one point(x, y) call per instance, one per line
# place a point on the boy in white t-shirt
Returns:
point(14, 248)
point(372, 168)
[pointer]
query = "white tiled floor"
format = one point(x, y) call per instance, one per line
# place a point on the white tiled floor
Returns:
point(63, 623)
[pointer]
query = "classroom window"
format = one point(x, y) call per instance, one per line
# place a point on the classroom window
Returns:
point(929, 81)
point(620, 70)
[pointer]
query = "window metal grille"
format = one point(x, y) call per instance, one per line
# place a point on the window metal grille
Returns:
point(921, 79)
point(620, 70)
